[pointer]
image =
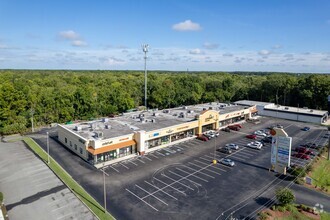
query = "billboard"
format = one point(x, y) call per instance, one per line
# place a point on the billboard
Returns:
point(283, 145)
point(273, 152)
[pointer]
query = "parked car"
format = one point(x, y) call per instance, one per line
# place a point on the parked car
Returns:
point(255, 145)
point(267, 139)
point(225, 150)
point(301, 156)
point(227, 162)
point(311, 145)
point(326, 135)
point(251, 136)
point(304, 150)
point(232, 146)
point(306, 128)
point(226, 129)
point(214, 133)
point(202, 138)
point(260, 133)
point(234, 128)
point(238, 125)
point(209, 134)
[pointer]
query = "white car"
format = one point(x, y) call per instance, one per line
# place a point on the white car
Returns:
point(227, 162)
point(260, 133)
point(232, 146)
point(255, 145)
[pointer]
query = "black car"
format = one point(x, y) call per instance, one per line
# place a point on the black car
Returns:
point(267, 139)
point(226, 129)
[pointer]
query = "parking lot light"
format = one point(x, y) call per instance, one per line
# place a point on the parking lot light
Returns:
point(48, 161)
point(214, 162)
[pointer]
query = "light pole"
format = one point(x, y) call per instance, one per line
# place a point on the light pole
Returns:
point(48, 161)
point(104, 191)
point(32, 112)
point(145, 48)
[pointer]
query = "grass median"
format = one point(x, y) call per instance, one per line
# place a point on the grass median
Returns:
point(321, 173)
point(69, 181)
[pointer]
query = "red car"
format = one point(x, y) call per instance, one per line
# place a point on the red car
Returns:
point(301, 156)
point(304, 150)
point(251, 136)
point(233, 127)
point(202, 138)
point(238, 125)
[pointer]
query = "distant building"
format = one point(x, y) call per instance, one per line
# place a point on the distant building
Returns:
point(287, 112)
point(114, 139)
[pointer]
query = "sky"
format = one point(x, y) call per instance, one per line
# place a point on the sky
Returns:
point(183, 35)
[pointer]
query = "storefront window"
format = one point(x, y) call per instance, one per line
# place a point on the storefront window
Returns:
point(182, 135)
point(127, 151)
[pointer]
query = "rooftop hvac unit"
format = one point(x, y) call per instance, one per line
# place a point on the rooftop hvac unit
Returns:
point(141, 115)
point(204, 109)
point(286, 108)
point(305, 107)
point(105, 119)
point(98, 134)
point(155, 114)
point(92, 125)
point(134, 116)
point(153, 120)
point(107, 126)
point(184, 107)
point(166, 111)
point(77, 128)
point(210, 108)
point(191, 111)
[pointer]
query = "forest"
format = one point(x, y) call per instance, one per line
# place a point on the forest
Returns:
point(58, 96)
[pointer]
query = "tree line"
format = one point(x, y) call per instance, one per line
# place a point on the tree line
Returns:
point(61, 95)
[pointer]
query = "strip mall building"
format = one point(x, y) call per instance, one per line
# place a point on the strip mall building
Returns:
point(110, 140)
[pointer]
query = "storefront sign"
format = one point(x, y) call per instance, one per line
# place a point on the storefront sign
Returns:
point(169, 131)
point(107, 143)
point(233, 114)
point(182, 128)
point(81, 141)
point(123, 139)
point(283, 150)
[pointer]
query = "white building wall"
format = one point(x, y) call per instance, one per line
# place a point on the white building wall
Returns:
point(291, 116)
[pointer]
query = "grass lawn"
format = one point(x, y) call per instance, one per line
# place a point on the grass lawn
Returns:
point(68, 180)
point(321, 173)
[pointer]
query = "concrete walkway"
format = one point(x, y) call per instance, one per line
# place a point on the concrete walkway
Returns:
point(32, 191)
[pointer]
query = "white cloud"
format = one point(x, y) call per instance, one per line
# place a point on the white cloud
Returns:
point(78, 43)
point(69, 35)
point(277, 46)
point(227, 55)
point(196, 51)
point(264, 52)
point(187, 25)
point(210, 46)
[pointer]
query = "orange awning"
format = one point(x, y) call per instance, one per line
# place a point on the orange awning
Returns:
point(110, 147)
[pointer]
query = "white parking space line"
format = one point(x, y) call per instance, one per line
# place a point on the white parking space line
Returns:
point(160, 153)
point(193, 175)
point(185, 177)
point(236, 157)
point(242, 155)
point(142, 200)
point(151, 194)
point(217, 168)
point(167, 185)
point(199, 172)
point(208, 160)
point(139, 159)
point(205, 169)
point(209, 156)
point(124, 166)
point(114, 169)
point(161, 190)
point(132, 162)
point(248, 153)
point(66, 215)
point(147, 158)
point(153, 155)
point(178, 182)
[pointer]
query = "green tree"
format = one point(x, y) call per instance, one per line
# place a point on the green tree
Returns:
point(284, 196)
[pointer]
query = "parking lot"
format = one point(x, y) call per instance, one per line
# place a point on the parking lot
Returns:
point(181, 182)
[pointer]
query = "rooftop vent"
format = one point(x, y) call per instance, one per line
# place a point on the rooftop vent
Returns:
point(204, 109)
point(98, 134)
point(190, 111)
point(184, 107)
point(210, 108)
point(105, 119)
point(155, 114)
point(141, 116)
point(77, 128)
point(286, 108)
point(107, 126)
point(153, 120)
point(166, 111)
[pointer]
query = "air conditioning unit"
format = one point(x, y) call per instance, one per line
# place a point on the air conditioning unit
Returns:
point(107, 126)
point(98, 134)
point(166, 111)
point(286, 108)
point(77, 128)
point(210, 108)
point(184, 107)
point(153, 120)
point(191, 111)
point(155, 114)
point(105, 119)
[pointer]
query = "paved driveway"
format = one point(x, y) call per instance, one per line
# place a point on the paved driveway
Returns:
point(32, 191)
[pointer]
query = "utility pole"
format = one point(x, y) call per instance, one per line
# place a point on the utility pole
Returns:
point(48, 161)
point(145, 48)
point(328, 143)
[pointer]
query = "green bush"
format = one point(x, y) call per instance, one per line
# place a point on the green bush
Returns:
point(262, 216)
point(284, 196)
point(1, 197)
point(273, 208)
point(299, 180)
point(309, 168)
point(281, 208)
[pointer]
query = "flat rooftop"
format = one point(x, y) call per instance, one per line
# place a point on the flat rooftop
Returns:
point(296, 110)
point(150, 120)
point(252, 103)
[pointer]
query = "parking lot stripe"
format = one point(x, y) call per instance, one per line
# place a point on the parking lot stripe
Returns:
point(205, 170)
point(124, 166)
point(161, 190)
point(151, 194)
point(236, 157)
point(185, 177)
point(142, 200)
point(66, 215)
point(147, 158)
point(168, 185)
point(175, 180)
point(132, 162)
point(248, 153)
point(114, 169)
point(153, 155)
point(139, 159)
point(217, 168)
point(243, 156)
point(193, 175)
point(208, 160)
point(210, 156)
point(200, 172)
point(160, 153)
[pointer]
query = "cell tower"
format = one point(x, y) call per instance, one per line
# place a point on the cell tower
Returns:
point(145, 48)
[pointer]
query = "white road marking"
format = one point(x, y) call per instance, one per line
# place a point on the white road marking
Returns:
point(205, 170)
point(168, 185)
point(124, 166)
point(139, 159)
point(151, 194)
point(174, 180)
point(160, 153)
point(217, 168)
point(147, 158)
point(184, 177)
point(161, 190)
point(192, 175)
point(142, 200)
point(153, 155)
point(133, 163)
point(114, 169)
point(200, 172)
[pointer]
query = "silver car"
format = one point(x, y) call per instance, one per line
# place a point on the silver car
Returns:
point(227, 162)
point(232, 146)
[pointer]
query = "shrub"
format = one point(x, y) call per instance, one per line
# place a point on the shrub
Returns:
point(300, 181)
point(281, 208)
point(309, 168)
point(273, 208)
point(269, 214)
point(262, 216)
point(1, 197)
point(285, 196)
